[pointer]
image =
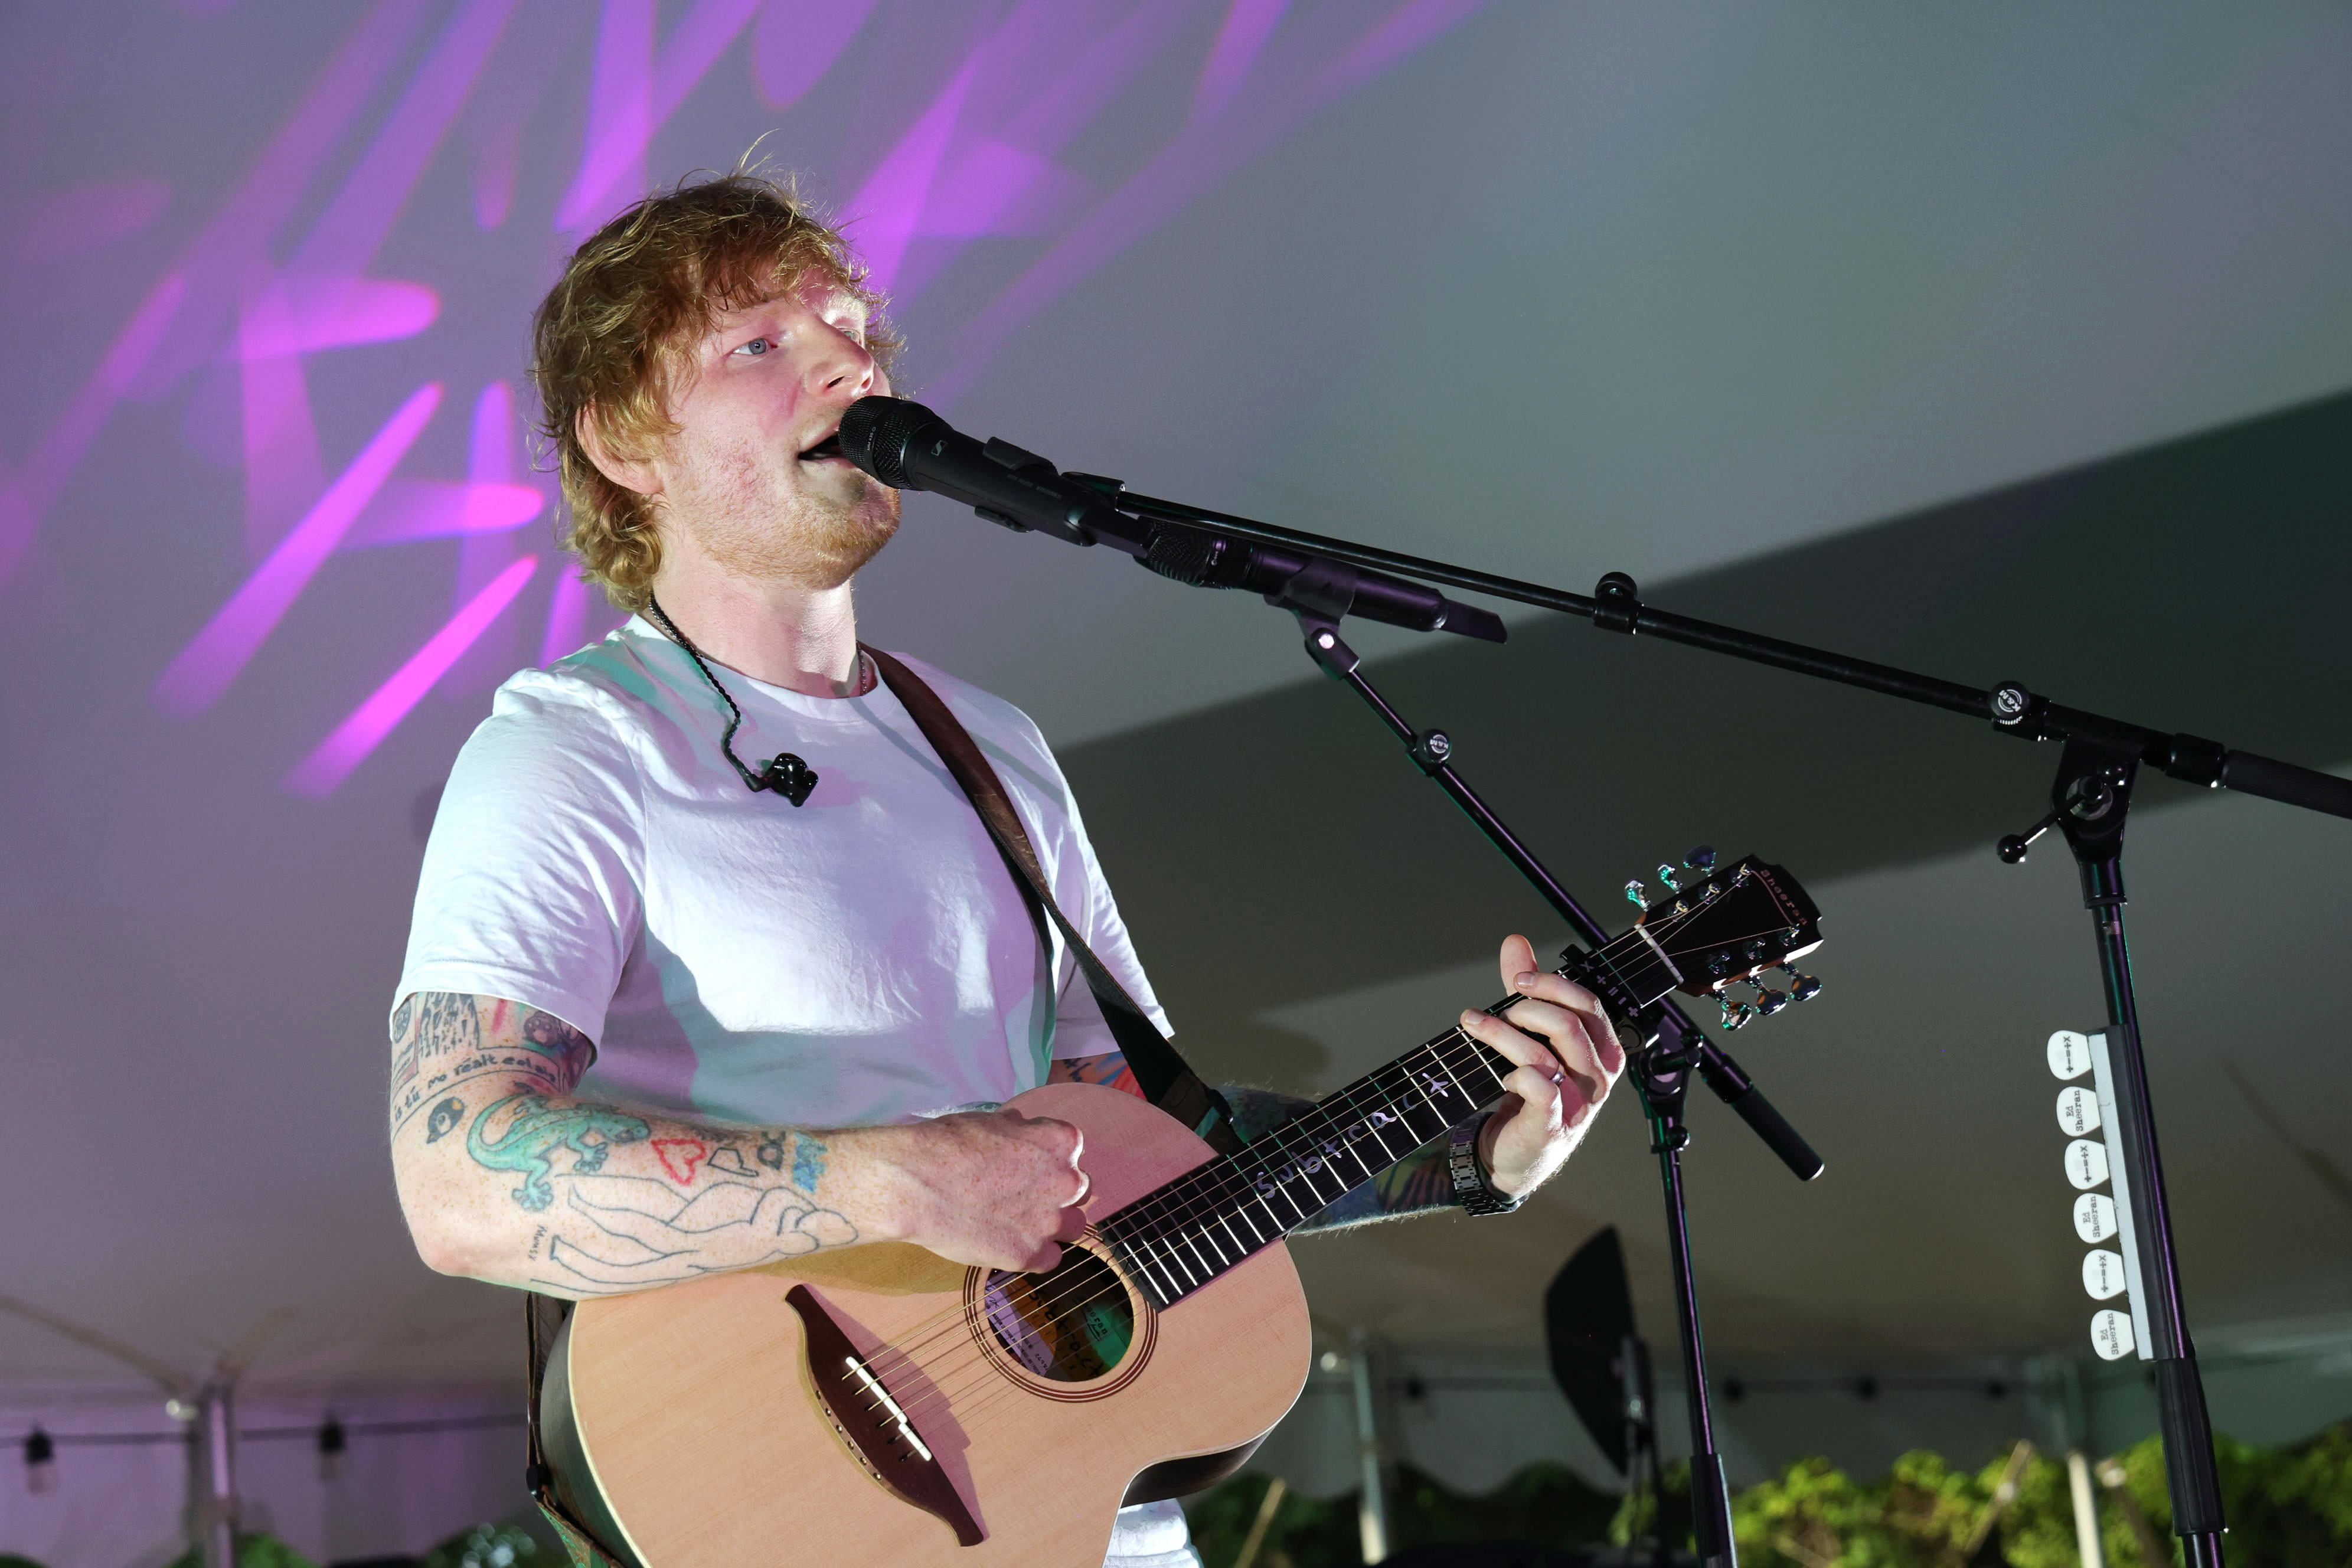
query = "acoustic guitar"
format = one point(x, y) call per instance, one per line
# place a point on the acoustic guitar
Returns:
point(879, 1403)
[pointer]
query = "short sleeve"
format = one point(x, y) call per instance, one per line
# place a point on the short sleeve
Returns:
point(531, 883)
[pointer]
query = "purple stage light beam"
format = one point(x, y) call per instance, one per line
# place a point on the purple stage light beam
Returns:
point(645, 99)
point(889, 209)
point(1204, 152)
point(206, 667)
point(620, 112)
point(179, 323)
point(345, 239)
point(322, 773)
point(1248, 24)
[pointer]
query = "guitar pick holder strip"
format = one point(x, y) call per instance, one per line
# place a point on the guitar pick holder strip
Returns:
point(2100, 1217)
point(2090, 799)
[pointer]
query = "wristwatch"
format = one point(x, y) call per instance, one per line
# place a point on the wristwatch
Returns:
point(1472, 1190)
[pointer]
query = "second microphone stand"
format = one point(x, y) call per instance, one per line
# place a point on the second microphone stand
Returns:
point(1660, 1063)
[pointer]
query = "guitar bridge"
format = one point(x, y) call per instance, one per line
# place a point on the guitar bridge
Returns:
point(889, 1450)
point(873, 1385)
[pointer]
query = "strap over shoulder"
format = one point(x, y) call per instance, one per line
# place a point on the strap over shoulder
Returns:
point(1169, 1082)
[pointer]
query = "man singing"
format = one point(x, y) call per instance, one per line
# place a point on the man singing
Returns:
point(655, 1023)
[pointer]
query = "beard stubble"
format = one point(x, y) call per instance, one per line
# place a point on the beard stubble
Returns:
point(753, 527)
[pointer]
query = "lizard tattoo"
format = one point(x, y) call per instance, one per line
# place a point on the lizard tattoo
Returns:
point(536, 1133)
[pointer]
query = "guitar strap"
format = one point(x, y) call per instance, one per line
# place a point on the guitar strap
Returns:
point(1166, 1079)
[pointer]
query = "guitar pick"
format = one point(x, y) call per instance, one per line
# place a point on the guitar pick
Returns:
point(2078, 1111)
point(2070, 1054)
point(2111, 1334)
point(2086, 1162)
point(2094, 1216)
point(2103, 1273)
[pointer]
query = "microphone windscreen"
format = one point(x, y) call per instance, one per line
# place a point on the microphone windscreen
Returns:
point(875, 433)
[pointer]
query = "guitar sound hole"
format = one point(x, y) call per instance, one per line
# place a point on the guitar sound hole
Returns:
point(1069, 1326)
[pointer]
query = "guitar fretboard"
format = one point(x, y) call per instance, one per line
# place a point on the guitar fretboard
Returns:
point(1177, 1237)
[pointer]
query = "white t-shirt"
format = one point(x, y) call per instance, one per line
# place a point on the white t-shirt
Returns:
point(864, 958)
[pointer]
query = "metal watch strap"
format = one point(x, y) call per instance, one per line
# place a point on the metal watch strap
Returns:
point(1472, 1190)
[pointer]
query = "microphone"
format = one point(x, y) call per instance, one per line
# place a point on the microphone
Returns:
point(910, 447)
point(1292, 579)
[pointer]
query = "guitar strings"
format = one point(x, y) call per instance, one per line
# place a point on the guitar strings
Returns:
point(906, 1356)
point(1160, 1211)
point(1050, 1301)
point(967, 1368)
point(1252, 1162)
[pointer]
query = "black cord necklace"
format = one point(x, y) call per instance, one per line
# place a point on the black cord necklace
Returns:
point(785, 774)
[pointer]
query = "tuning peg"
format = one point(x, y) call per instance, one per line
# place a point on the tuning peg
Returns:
point(1637, 895)
point(1736, 1015)
point(1701, 859)
point(1801, 987)
point(1666, 874)
point(1769, 1000)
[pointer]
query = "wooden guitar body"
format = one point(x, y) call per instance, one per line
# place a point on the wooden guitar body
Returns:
point(694, 1415)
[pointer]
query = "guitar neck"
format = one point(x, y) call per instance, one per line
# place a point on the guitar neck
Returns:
point(1177, 1238)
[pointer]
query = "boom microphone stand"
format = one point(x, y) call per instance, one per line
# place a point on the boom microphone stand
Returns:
point(1661, 1063)
point(2090, 800)
point(907, 446)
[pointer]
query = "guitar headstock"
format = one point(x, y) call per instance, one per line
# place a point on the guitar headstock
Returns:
point(1725, 926)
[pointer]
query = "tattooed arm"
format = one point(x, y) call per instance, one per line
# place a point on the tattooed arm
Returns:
point(506, 1176)
point(1415, 1185)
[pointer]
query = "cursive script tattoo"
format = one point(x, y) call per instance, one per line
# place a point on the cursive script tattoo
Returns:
point(441, 1040)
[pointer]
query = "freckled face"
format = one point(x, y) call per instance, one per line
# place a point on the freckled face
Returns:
point(753, 473)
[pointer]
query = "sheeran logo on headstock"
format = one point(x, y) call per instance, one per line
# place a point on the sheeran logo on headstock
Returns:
point(1729, 927)
point(912, 1411)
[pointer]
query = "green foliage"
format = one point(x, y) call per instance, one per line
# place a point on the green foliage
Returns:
point(2288, 1507)
point(1545, 1503)
point(485, 1546)
point(11, 1560)
point(254, 1550)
